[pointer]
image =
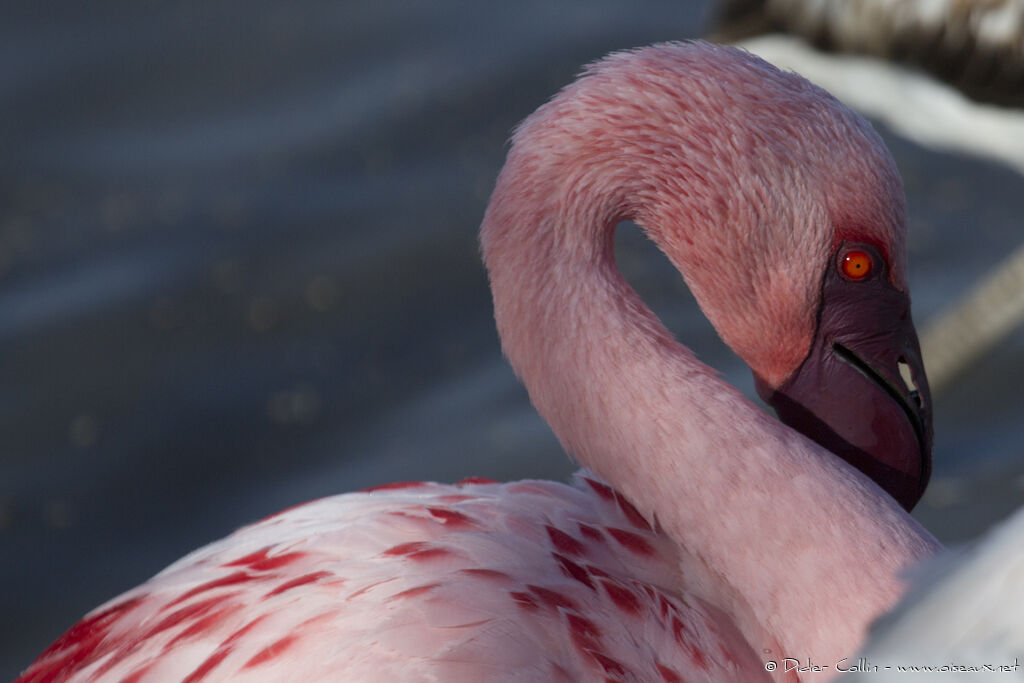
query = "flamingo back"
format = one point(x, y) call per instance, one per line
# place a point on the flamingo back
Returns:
point(525, 581)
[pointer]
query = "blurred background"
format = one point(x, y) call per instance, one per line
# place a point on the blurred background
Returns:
point(239, 270)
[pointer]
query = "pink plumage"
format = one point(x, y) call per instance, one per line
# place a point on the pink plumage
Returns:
point(705, 539)
point(527, 580)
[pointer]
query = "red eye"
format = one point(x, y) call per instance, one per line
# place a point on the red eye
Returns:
point(856, 264)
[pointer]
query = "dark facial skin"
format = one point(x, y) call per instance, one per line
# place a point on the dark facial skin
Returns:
point(849, 394)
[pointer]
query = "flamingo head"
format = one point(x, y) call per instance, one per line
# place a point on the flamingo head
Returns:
point(820, 267)
point(861, 390)
point(785, 213)
point(782, 209)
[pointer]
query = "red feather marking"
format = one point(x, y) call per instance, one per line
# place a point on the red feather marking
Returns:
point(82, 644)
point(668, 675)
point(237, 635)
point(299, 581)
point(271, 651)
point(136, 676)
point(208, 665)
point(584, 632)
point(430, 554)
point(453, 498)
point(623, 598)
point(276, 562)
point(597, 571)
point(413, 592)
point(395, 485)
point(573, 570)
point(453, 518)
point(551, 598)
point(610, 666)
point(257, 556)
point(590, 532)
point(631, 541)
point(564, 542)
point(204, 613)
point(583, 642)
point(664, 606)
point(678, 629)
point(603, 490)
point(229, 580)
point(202, 624)
point(87, 641)
point(524, 600)
point(407, 548)
point(404, 514)
point(487, 574)
point(469, 481)
point(698, 657)
point(84, 637)
point(193, 611)
point(632, 514)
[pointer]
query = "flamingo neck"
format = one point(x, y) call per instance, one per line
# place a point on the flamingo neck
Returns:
point(799, 547)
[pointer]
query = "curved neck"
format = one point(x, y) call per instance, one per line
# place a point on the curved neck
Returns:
point(800, 547)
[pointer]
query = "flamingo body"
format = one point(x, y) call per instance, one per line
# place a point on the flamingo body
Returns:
point(527, 581)
point(722, 536)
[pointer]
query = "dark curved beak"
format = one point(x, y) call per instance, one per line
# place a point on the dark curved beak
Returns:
point(862, 392)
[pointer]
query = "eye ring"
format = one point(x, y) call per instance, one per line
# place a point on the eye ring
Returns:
point(856, 265)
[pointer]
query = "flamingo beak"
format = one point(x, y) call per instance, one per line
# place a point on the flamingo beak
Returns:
point(862, 392)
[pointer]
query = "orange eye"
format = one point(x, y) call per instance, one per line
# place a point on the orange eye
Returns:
point(856, 264)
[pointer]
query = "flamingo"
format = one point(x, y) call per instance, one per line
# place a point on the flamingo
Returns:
point(703, 540)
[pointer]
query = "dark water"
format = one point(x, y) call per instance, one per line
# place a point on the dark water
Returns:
point(238, 270)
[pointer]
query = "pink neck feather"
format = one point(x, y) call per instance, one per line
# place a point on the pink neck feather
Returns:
point(802, 549)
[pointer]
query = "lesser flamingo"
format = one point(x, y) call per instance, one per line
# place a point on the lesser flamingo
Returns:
point(705, 539)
